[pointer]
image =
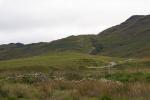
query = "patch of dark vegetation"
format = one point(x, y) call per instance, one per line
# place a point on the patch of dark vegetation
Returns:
point(129, 77)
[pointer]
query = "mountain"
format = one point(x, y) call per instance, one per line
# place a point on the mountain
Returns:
point(128, 39)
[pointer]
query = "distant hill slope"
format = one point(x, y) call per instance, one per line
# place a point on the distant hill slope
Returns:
point(80, 43)
point(129, 39)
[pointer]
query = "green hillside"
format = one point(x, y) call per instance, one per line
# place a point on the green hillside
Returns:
point(80, 44)
point(55, 61)
point(129, 39)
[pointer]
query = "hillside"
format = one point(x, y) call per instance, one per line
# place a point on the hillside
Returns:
point(128, 39)
point(56, 61)
point(80, 43)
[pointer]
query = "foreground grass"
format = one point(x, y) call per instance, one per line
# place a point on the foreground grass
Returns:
point(73, 86)
point(75, 90)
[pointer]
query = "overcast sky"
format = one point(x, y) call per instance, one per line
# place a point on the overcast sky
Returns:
point(30, 21)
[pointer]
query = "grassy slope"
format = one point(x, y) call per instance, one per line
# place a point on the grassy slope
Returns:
point(123, 46)
point(136, 65)
point(55, 61)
